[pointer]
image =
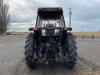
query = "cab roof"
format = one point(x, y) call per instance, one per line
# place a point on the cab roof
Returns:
point(50, 11)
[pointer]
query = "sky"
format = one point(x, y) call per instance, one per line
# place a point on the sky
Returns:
point(85, 13)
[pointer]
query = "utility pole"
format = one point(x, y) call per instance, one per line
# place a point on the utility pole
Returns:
point(70, 13)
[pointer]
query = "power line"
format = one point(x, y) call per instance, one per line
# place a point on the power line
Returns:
point(22, 10)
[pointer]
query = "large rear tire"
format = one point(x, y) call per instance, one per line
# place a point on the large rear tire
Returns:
point(29, 51)
point(72, 51)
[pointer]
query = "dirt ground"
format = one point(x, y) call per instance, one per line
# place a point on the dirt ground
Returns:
point(12, 60)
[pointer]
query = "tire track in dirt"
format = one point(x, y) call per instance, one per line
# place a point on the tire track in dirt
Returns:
point(22, 69)
point(92, 65)
point(54, 69)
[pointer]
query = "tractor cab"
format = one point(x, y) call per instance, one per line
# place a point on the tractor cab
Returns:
point(50, 16)
point(50, 22)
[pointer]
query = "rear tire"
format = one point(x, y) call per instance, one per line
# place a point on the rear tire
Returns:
point(29, 51)
point(72, 51)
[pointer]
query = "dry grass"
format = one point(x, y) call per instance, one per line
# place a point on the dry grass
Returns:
point(87, 33)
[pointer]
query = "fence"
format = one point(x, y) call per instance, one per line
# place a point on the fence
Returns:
point(85, 36)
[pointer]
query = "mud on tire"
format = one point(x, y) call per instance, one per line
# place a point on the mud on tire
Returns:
point(72, 51)
point(29, 51)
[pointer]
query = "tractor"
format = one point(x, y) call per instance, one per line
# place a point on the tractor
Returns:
point(50, 40)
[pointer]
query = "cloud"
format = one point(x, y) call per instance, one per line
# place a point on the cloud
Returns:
point(46, 3)
point(26, 10)
point(20, 10)
point(20, 26)
point(86, 13)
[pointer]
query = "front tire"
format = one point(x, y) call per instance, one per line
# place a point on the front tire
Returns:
point(29, 51)
point(71, 51)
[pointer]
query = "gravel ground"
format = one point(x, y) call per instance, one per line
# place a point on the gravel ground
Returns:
point(89, 49)
point(12, 58)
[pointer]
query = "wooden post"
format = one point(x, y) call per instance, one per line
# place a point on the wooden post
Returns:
point(75, 36)
point(83, 36)
point(93, 37)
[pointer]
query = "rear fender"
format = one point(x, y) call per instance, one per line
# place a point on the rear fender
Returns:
point(33, 29)
point(37, 35)
point(68, 29)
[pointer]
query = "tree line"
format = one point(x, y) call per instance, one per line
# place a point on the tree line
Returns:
point(4, 16)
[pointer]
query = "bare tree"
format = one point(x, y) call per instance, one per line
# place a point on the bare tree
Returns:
point(4, 16)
